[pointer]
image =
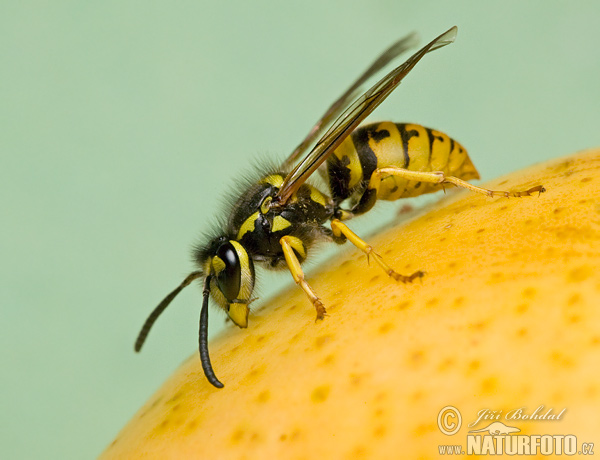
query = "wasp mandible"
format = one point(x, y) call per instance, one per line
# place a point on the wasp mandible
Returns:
point(280, 217)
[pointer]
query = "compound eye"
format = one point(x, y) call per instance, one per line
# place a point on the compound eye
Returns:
point(228, 271)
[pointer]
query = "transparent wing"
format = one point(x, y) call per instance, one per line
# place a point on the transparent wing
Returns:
point(341, 104)
point(353, 116)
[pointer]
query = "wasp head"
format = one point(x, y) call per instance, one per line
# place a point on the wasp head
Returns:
point(228, 274)
point(232, 279)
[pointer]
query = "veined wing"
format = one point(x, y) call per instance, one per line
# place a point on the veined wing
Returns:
point(352, 117)
point(341, 104)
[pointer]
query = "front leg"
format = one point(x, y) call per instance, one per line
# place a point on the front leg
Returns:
point(291, 245)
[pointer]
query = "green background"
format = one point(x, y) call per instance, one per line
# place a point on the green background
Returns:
point(123, 123)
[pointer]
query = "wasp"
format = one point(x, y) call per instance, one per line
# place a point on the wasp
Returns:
point(280, 217)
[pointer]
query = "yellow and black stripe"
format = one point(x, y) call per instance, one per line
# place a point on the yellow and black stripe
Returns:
point(401, 145)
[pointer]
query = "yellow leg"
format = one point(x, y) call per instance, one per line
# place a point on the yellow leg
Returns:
point(340, 229)
point(289, 243)
point(438, 177)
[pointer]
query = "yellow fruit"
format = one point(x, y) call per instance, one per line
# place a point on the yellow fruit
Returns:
point(507, 317)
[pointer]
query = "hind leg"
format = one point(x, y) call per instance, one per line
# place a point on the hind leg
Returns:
point(438, 177)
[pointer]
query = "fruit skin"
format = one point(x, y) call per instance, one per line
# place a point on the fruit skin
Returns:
point(507, 317)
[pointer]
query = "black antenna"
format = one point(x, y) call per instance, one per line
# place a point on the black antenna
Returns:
point(203, 338)
point(141, 338)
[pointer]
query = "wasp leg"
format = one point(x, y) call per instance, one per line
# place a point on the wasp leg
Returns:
point(438, 177)
point(341, 230)
point(289, 244)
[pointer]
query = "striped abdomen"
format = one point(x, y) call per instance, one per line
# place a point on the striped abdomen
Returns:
point(401, 145)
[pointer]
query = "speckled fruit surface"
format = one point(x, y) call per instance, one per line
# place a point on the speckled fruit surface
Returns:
point(507, 317)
